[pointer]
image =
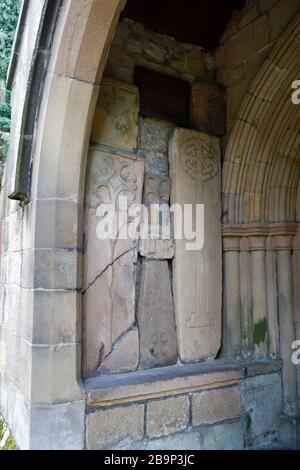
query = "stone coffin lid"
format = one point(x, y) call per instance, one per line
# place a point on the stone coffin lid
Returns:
point(196, 179)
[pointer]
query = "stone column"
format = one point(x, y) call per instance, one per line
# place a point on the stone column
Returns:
point(283, 246)
point(273, 326)
point(250, 303)
point(259, 295)
point(232, 297)
point(197, 275)
point(246, 299)
point(296, 278)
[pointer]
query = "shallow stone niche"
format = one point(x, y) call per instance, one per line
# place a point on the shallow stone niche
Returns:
point(197, 275)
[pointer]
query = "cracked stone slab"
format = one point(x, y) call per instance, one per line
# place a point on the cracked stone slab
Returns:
point(126, 347)
point(109, 265)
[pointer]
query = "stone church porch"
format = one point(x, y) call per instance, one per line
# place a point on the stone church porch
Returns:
point(143, 344)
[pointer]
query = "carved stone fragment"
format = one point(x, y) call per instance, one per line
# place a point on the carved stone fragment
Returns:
point(156, 316)
point(156, 238)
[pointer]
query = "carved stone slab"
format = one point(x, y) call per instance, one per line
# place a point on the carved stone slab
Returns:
point(197, 275)
point(156, 316)
point(158, 243)
point(116, 115)
point(154, 136)
point(127, 347)
point(109, 265)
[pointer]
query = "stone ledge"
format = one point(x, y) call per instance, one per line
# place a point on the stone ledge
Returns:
point(160, 382)
point(262, 367)
point(260, 229)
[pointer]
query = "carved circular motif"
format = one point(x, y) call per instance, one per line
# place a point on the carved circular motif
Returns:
point(151, 182)
point(151, 197)
point(104, 168)
point(103, 194)
point(194, 152)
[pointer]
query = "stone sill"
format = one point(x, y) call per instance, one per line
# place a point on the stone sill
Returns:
point(267, 366)
point(173, 380)
point(156, 383)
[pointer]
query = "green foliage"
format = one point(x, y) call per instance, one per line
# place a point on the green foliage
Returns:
point(9, 443)
point(5, 109)
point(8, 20)
point(4, 125)
point(4, 136)
point(260, 331)
point(5, 112)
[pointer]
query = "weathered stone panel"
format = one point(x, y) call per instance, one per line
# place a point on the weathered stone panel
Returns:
point(158, 344)
point(116, 115)
point(167, 416)
point(197, 276)
point(262, 398)
point(110, 265)
point(105, 428)
point(216, 405)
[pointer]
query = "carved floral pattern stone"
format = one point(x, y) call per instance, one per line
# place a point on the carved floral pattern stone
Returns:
point(195, 151)
point(109, 266)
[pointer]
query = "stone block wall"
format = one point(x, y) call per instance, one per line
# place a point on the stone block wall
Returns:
point(262, 404)
point(16, 349)
point(244, 415)
point(134, 45)
point(169, 423)
point(249, 37)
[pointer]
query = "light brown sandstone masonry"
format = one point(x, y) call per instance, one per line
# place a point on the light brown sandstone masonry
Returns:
point(108, 426)
point(167, 416)
point(215, 405)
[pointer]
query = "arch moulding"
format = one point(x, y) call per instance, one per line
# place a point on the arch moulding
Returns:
point(81, 44)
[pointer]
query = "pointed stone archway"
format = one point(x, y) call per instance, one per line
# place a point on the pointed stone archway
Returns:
point(51, 255)
point(261, 175)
